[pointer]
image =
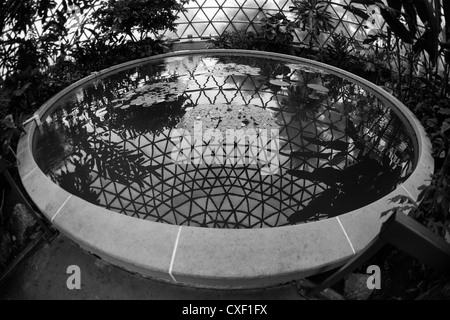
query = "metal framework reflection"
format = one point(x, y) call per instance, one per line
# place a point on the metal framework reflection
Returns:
point(119, 156)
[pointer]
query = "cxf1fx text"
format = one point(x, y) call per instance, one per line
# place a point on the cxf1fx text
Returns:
point(231, 309)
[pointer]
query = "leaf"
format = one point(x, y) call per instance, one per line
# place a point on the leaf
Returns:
point(428, 43)
point(385, 213)
point(432, 123)
point(426, 14)
point(400, 198)
point(411, 16)
point(337, 145)
point(444, 111)
point(301, 174)
point(337, 160)
point(397, 27)
point(445, 127)
point(311, 154)
point(328, 175)
point(20, 91)
point(318, 87)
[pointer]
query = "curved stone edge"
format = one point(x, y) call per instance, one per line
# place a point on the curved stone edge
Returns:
point(213, 257)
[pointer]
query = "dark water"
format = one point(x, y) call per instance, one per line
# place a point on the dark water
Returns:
point(151, 142)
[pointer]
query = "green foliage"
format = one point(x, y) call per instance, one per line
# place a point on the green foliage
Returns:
point(116, 18)
point(250, 41)
point(278, 29)
point(25, 56)
point(20, 47)
point(409, 32)
point(235, 40)
point(435, 117)
point(434, 208)
point(411, 40)
point(313, 16)
point(99, 54)
point(338, 52)
point(9, 129)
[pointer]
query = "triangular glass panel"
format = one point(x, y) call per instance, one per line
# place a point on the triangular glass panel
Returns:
point(282, 4)
point(200, 2)
point(220, 16)
point(115, 204)
point(271, 5)
point(210, 31)
point(340, 28)
point(230, 12)
point(261, 15)
point(360, 34)
point(251, 28)
point(254, 4)
point(337, 10)
point(352, 29)
point(251, 13)
point(240, 26)
point(189, 14)
point(226, 204)
point(180, 29)
point(200, 27)
point(210, 13)
point(200, 17)
point(189, 32)
point(209, 3)
point(230, 28)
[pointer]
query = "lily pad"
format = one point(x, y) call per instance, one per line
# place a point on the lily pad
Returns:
point(229, 116)
point(280, 83)
point(318, 87)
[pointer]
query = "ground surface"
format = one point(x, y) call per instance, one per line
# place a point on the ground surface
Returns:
point(43, 276)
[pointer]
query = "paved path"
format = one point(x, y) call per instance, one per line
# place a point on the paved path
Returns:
point(43, 276)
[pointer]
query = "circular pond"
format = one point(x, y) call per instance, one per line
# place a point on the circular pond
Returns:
point(222, 168)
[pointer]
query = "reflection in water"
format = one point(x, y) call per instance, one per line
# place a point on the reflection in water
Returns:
point(339, 147)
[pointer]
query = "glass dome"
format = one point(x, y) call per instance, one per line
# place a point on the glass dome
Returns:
point(207, 18)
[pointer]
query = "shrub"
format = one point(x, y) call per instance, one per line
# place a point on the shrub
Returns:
point(122, 17)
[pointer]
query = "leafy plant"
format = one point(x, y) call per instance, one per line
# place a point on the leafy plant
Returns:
point(312, 16)
point(235, 40)
point(409, 32)
point(99, 54)
point(19, 41)
point(278, 29)
point(434, 208)
point(118, 19)
point(341, 52)
point(8, 129)
point(411, 37)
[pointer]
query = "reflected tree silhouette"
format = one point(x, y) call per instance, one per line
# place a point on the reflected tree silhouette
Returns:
point(340, 147)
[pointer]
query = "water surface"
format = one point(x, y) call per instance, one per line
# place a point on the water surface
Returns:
point(306, 144)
